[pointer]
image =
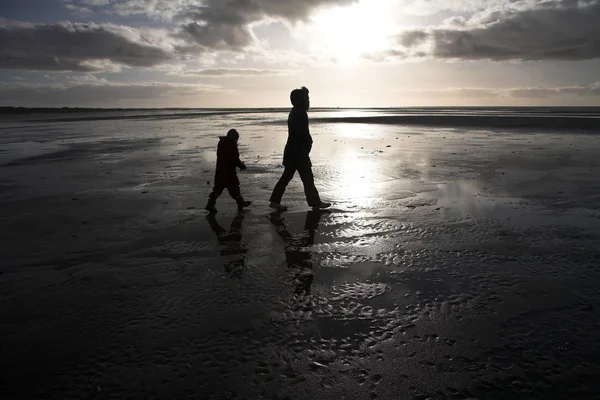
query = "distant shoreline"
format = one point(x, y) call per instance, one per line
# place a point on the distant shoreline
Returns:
point(63, 110)
point(506, 118)
point(8, 110)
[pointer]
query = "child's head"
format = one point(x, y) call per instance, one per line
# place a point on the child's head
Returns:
point(233, 135)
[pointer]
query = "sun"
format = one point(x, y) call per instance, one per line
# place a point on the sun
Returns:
point(346, 33)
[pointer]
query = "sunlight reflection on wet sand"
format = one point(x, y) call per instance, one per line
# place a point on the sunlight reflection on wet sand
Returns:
point(439, 244)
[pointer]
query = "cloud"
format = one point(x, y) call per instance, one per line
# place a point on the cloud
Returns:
point(216, 11)
point(225, 24)
point(213, 24)
point(524, 31)
point(534, 92)
point(413, 38)
point(431, 7)
point(230, 72)
point(96, 3)
point(67, 46)
point(582, 90)
point(218, 36)
point(158, 8)
point(79, 10)
point(88, 89)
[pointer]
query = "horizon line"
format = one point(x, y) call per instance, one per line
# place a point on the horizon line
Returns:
point(281, 107)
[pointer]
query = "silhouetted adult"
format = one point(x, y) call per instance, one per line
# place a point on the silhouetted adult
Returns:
point(296, 154)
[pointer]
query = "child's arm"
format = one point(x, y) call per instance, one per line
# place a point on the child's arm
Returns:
point(238, 162)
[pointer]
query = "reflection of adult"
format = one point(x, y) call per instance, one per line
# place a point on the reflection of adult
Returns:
point(230, 243)
point(296, 154)
point(297, 257)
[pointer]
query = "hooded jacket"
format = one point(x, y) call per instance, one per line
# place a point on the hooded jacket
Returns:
point(299, 143)
point(228, 159)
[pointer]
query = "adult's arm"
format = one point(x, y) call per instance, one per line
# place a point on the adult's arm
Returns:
point(306, 138)
point(301, 141)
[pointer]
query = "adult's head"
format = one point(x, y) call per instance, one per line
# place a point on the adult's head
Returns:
point(300, 99)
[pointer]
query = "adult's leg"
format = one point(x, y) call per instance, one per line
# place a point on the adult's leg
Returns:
point(311, 192)
point(279, 189)
point(213, 196)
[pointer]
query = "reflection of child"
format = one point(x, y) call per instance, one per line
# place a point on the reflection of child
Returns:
point(231, 243)
point(228, 159)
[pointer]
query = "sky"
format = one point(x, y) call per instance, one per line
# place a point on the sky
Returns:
point(252, 53)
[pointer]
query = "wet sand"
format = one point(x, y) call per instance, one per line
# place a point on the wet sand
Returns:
point(456, 263)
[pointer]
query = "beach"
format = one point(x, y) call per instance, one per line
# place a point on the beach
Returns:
point(461, 257)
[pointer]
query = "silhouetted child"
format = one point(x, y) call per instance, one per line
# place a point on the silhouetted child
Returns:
point(228, 159)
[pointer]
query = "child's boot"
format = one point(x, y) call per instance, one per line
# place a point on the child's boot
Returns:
point(210, 206)
point(242, 203)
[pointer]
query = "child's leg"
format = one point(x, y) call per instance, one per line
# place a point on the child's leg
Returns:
point(234, 192)
point(212, 198)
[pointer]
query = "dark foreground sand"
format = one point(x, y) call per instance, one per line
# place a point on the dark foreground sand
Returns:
point(455, 264)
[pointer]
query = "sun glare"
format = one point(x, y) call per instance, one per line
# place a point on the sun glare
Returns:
point(348, 32)
point(356, 181)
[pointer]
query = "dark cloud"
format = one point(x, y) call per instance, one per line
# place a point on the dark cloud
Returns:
point(551, 30)
point(77, 47)
point(212, 24)
point(413, 38)
point(229, 12)
point(217, 36)
point(218, 12)
point(43, 63)
point(227, 72)
point(224, 24)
